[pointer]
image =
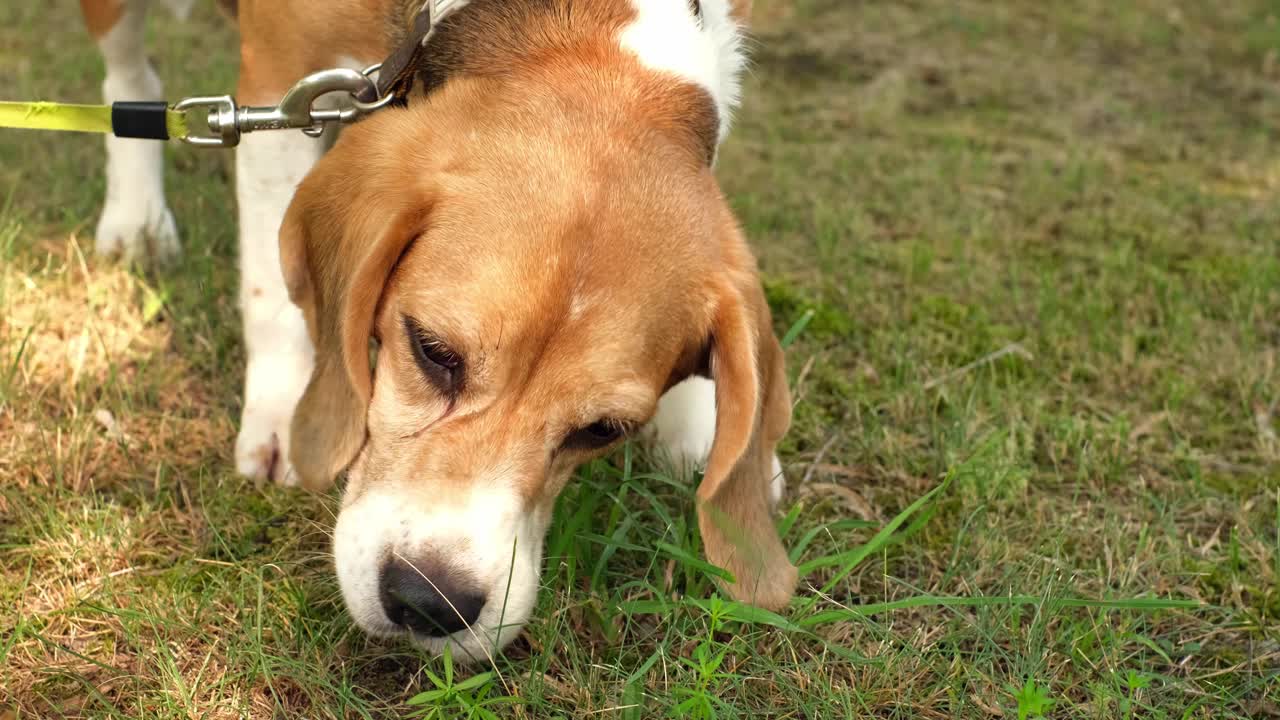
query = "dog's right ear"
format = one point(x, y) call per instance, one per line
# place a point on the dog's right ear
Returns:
point(347, 226)
point(753, 411)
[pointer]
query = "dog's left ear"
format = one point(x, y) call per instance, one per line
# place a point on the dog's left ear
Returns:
point(753, 411)
point(349, 222)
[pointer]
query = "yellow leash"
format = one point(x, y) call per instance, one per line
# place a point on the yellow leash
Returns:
point(224, 120)
point(55, 116)
point(151, 120)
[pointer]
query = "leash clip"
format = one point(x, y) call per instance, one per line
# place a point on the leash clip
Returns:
point(296, 111)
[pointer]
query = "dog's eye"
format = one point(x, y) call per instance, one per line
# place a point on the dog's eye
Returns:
point(596, 435)
point(442, 366)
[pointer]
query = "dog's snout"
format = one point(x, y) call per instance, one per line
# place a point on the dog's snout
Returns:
point(427, 599)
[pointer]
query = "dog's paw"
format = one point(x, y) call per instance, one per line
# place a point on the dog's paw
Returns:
point(262, 448)
point(273, 384)
point(139, 230)
point(280, 364)
point(684, 426)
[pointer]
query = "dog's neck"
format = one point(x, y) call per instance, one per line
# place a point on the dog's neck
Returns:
point(694, 45)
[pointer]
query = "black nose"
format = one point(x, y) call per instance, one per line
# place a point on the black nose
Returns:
point(427, 599)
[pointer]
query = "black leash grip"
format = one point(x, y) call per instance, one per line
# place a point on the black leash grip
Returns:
point(146, 120)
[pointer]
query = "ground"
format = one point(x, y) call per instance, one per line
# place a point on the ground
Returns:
point(1037, 250)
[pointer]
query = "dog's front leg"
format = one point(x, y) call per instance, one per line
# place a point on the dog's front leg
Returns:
point(684, 428)
point(269, 166)
point(136, 222)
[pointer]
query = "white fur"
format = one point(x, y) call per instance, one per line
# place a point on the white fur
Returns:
point(706, 51)
point(684, 428)
point(181, 9)
point(483, 532)
point(269, 166)
point(685, 423)
point(136, 222)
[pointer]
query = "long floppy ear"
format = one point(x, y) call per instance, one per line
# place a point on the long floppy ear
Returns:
point(349, 222)
point(753, 411)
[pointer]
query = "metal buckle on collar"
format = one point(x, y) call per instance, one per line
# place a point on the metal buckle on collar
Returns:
point(437, 10)
point(296, 111)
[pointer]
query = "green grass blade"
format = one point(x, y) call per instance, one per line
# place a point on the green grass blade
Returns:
point(797, 327)
point(862, 611)
point(684, 557)
point(851, 559)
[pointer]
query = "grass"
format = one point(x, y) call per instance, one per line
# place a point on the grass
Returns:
point(1032, 261)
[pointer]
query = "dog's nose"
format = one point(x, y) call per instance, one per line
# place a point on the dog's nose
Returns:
point(426, 599)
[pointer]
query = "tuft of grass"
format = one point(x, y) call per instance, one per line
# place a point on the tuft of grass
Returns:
point(1024, 263)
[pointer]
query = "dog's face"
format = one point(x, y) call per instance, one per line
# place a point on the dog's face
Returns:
point(531, 295)
point(530, 327)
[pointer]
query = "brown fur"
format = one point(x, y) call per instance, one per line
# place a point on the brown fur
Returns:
point(753, 412)
point(485, 209)
point(280, 41)
point(504, 39)
point(548, 209)
point(101, 15)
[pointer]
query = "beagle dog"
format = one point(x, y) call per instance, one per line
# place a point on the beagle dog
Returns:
point(472, 294)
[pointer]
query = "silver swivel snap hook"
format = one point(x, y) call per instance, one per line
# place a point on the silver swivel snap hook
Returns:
point(296, 111)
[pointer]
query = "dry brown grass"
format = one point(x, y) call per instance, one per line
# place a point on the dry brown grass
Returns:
point(82, 334)
point(1093, 184)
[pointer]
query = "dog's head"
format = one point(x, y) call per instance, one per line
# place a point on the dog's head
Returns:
point(531, 279)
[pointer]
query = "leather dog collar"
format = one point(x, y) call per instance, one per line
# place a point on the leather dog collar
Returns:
point(397, 75)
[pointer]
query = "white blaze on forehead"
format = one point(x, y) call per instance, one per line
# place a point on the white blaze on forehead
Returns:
point(706, 51)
